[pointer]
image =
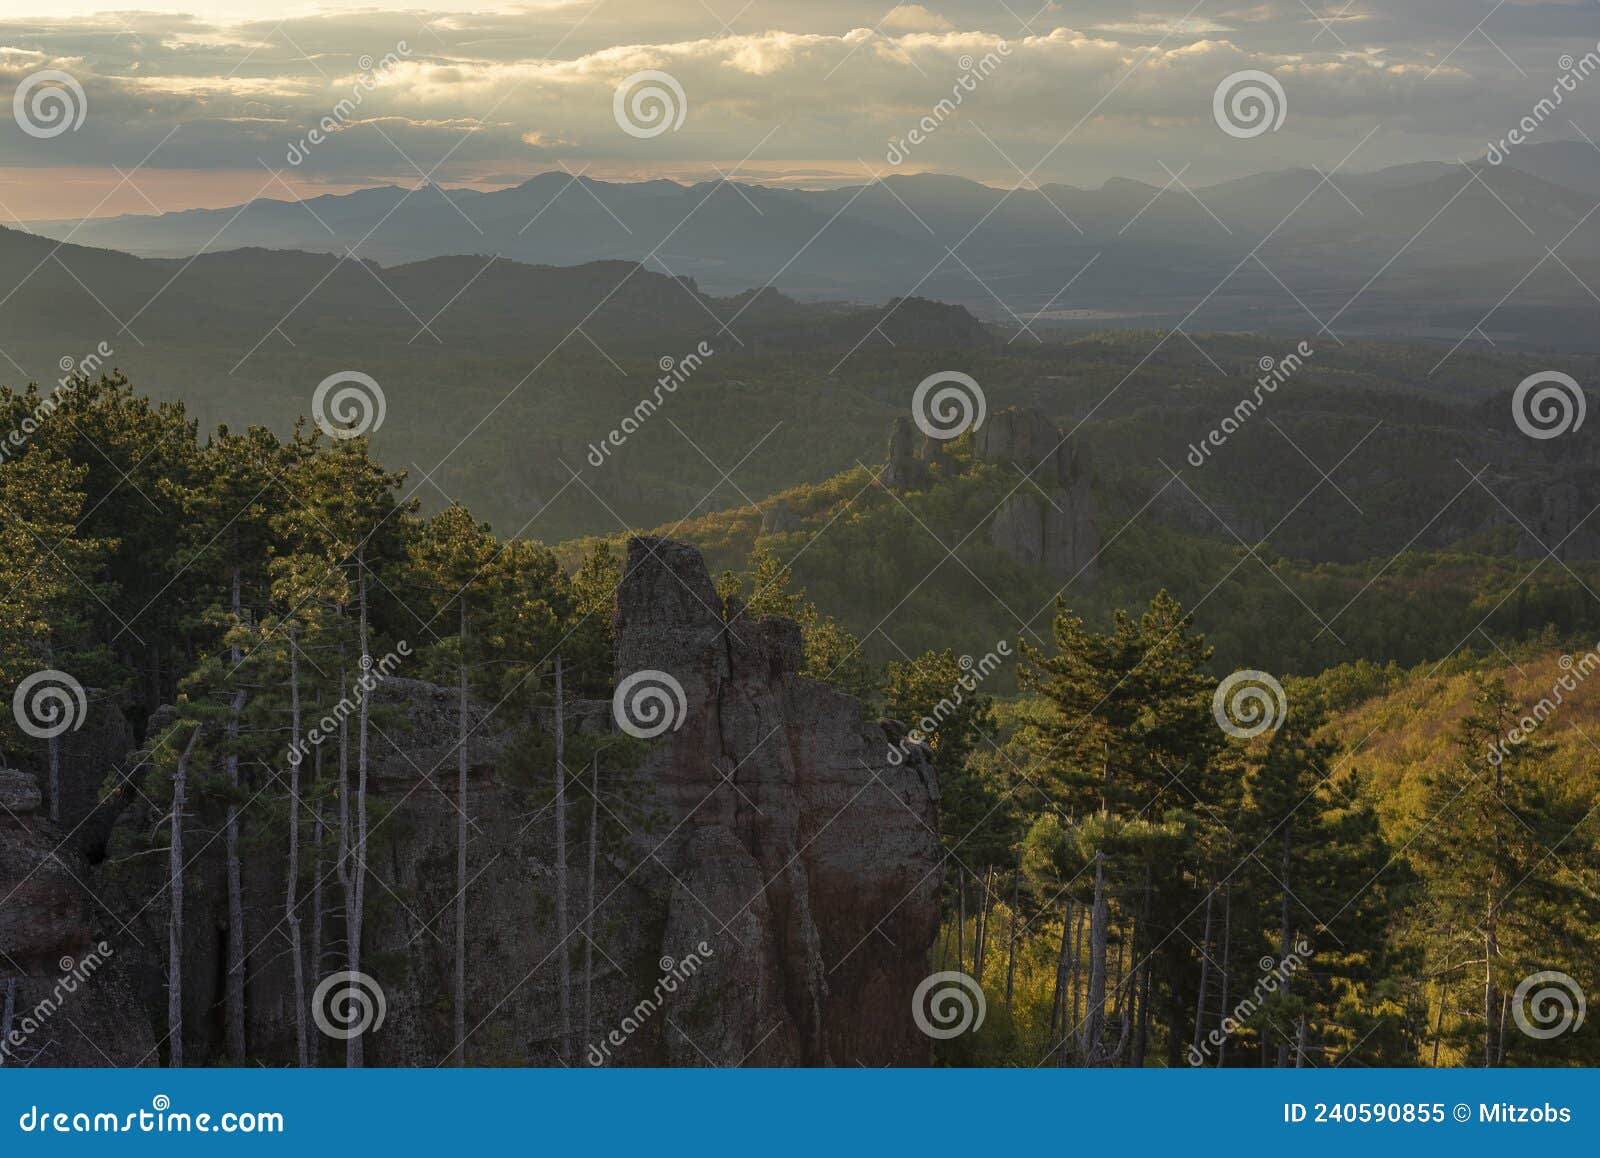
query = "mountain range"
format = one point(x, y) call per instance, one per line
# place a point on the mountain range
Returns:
point(1457, 250)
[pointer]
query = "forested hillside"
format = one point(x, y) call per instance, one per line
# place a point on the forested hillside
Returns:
point(1144, 860)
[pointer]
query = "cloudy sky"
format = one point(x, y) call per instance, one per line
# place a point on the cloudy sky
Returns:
point(206, 102)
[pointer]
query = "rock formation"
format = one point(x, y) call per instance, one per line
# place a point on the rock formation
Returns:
point(1049, 522)
point(768, 827)
point(912, 463)
point(93, 755)
point(906, 471)
point(1178, 507)
point(779, 518)
point(800, 840)
point(70, 1004)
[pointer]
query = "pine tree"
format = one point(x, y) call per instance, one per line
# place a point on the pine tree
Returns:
point(1126, 729)
point(455, 561)
point(343, 517)
point(51, 590)
point(228, 539)
point(1490, 819)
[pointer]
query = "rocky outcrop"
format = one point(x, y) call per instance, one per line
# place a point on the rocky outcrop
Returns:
point(1179, 507)
point(779, 518)
point(70, 1004)
point(92, 756)
point(1049, 521)
point(765, 841)
point(805, 842)
point(1559, 516)
point(906, 470)
point(913, 462)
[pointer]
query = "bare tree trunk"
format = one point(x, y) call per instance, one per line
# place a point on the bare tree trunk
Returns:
point(1011, 939)
point(1058, 1000)
point(1438, 1024)
point(983, 921)
point(1227, 936)
point(1489, 950)
point(961, 923)
point(977, 928)
point(355, 1051)
point(180, 786)
point(235, 984)
point(53, 751)
point(291, 904)
point(1140, 982)
point(1142, 1041)
point(1491, 942)
point(347, 872)
point(1099, 932)
point(53, 747)
point(1123, 1003)
point(460, 1051)
point(1205, 971)
point(588, 904)
point(561, 871)
point(1116, 987)
point(1077, 969)
point(1283, 933)
point(319, 834)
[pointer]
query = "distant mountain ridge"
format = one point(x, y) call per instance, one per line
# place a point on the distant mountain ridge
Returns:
point(1437, 245)
point(488, 304)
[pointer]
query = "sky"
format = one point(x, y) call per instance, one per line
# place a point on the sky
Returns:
point(189, 103)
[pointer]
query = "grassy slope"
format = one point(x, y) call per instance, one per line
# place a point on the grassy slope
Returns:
point(1404, 730)
point(878, 561)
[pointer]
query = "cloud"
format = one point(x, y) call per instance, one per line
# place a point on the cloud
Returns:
point(914, 18)
point(510, 91)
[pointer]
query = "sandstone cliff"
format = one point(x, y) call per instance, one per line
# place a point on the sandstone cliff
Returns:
point(1051, 520)
point(768, 827)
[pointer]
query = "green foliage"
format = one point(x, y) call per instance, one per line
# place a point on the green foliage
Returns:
point(832, 654)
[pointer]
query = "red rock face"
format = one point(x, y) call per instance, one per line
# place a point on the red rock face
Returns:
point(47, 930)
point(806, 860)
point(771, 900)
